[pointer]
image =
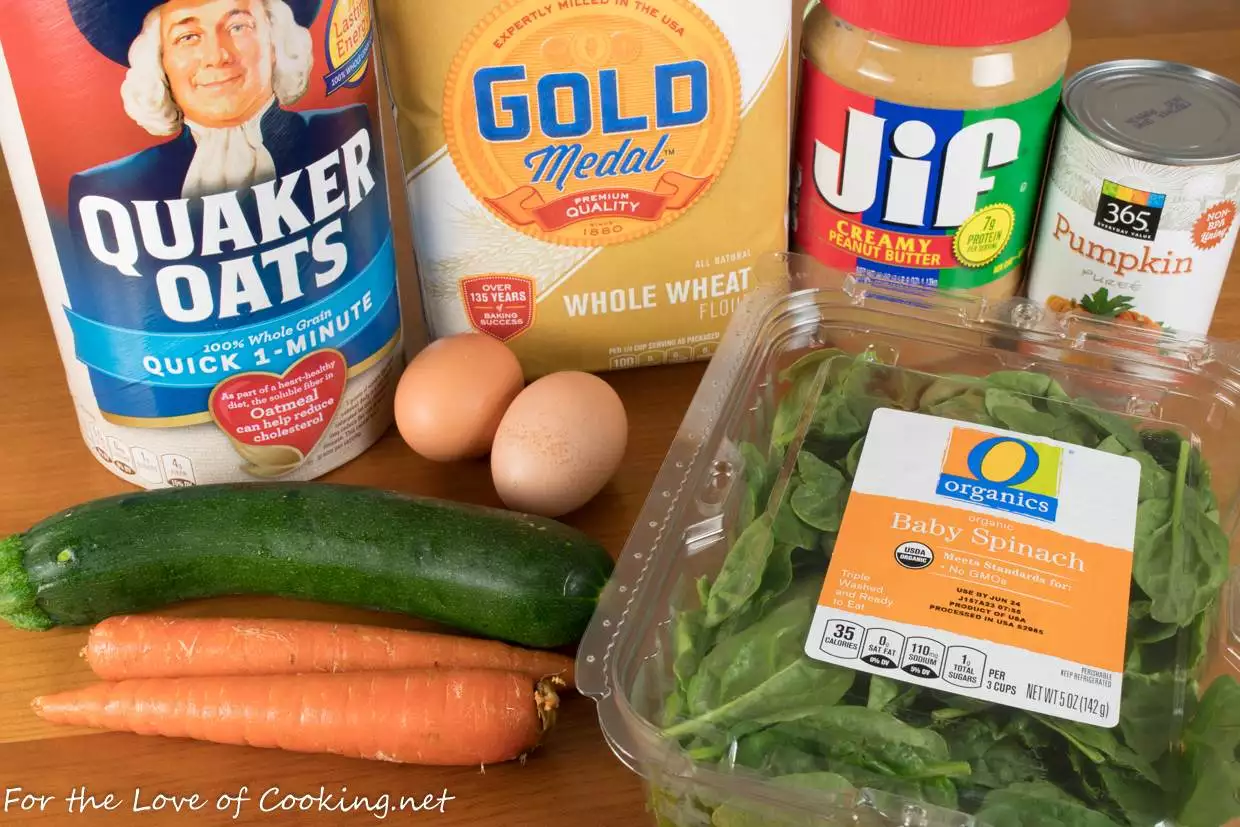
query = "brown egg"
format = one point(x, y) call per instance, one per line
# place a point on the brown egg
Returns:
point(453, 394)
point(560, 442)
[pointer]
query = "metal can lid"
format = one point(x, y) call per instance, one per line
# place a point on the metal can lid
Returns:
point(1153, 110)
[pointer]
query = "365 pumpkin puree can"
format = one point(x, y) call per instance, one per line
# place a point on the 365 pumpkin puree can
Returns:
point(202, 186)
point(1139, 219)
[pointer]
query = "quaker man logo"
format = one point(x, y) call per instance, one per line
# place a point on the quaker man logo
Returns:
point(1004, 473)
point(592, 125)
point(216, 75)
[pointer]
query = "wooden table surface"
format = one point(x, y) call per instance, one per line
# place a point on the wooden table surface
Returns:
point(574, 779)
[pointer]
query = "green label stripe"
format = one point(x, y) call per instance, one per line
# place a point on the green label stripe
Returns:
point(1018, 184)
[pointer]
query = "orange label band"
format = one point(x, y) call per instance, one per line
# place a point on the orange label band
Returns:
point(1014, 584)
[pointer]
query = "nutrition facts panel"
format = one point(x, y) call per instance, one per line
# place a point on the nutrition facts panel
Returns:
point(974, 668)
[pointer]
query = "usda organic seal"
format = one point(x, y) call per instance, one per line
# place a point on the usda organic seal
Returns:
point(913, 555)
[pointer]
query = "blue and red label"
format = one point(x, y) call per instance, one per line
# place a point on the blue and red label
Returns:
point(935, 197)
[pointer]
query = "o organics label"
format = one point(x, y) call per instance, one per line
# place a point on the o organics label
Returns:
point(1002, 472)
point(969, 559)
point(592, 124)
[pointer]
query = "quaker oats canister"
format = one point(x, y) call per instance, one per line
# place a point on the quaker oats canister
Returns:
point(1140, 216)
point(203, 190)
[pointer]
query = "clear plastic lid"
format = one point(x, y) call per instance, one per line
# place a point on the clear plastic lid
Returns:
point(699, 656)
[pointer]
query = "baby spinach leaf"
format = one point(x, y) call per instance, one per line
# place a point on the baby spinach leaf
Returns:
point(937, 790)
point(956, 706)
point(1147, 713)
point(750, 813)
point(758, 476)
point(1168, 447)
point(1085, 773)
point(1113, 446)
point(1098, 745)
point(1210, 788)
point(1027, 383)
point(1142, 803)
point(949, 387)
point(882, 692)
point(854, 458)
point(1038, 804)
point(836, 421)
point(675, 707)
point(878, 739)
point(906, 387)
point(742, 570)
point(1179, 557)
point(997, 759)
point(689, 636)
point(789, 528)
point(810, 363)
point(1144, 629)
point(827, 782)
point(789, 413)
point(820, 475)
point(742, 661)
point(970, 738)
point(796, 691)
point(1199, 638)
point(820, 498)
point(1006, 763)
point(1155, 480)
point(775, 752)
point(1018, 414)
point(1108, 425)
point(965, 408)
point(777, 577)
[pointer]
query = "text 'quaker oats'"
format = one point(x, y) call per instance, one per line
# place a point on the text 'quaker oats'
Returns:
point(202, 185)
point(591, 182)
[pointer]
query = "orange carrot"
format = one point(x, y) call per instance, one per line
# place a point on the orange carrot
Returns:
point(141, 646)
point(457, 717)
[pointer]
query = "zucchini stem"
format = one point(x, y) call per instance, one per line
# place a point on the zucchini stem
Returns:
point(19, 605)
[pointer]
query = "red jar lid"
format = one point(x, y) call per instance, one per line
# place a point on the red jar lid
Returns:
point(966, 23)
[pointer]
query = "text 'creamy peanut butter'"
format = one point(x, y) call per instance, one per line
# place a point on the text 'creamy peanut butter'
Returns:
point(923, 135)
point(591, 182)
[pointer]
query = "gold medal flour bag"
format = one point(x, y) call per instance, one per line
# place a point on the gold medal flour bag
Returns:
point(590, 182)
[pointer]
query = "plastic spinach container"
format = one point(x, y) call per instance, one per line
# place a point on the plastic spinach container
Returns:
point(703, 656)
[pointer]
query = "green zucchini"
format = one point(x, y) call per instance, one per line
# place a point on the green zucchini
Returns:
point(507, 576)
